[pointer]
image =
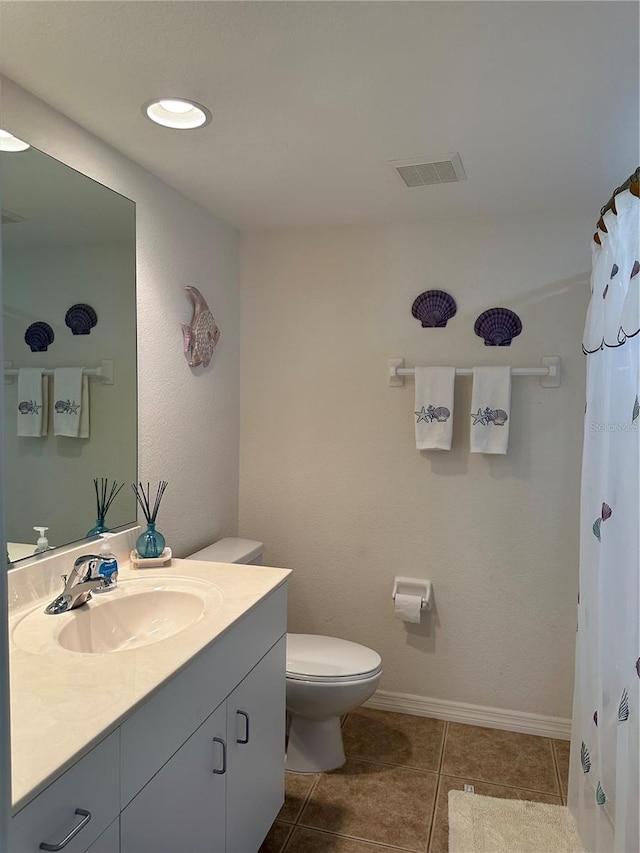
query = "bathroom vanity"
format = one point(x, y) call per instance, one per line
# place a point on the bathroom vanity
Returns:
point(125, 742)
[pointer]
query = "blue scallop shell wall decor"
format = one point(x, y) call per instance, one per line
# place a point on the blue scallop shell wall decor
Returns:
point(81, 318)
point(433, 308)
point(38, 336)
point(498, 327)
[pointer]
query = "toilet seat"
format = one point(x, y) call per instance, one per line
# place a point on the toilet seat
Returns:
point(312, 657)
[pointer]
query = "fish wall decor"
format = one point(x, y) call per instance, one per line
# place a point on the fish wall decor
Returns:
point(201, 337)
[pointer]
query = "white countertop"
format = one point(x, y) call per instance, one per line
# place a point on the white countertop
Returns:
point(20, 550)
point(63, 702)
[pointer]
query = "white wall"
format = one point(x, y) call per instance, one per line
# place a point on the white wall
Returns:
point(188, 420)
point(330, 479)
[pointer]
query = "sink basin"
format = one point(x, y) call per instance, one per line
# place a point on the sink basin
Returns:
point(137, 620)
point(136, 613)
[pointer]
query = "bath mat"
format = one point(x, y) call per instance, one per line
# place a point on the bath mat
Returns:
point(480, 824)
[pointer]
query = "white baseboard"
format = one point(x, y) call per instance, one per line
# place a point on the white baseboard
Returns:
point(473, 715)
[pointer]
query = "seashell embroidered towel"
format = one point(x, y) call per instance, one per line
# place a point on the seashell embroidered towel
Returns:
point(71, 402)
point(490, 408)
point(33, 402)
point(434, 407)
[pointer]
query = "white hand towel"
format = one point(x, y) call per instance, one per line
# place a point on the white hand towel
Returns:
point(434, 407)
point(33, 400)
point(71, 406)
point(83, 431)
point(490, 409)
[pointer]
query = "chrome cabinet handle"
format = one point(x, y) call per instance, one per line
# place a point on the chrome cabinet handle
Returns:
point(86, 817)
point(224, 755)
point(246, 734)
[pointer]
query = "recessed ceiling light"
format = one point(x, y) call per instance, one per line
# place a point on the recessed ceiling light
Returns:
point(9, 142)
point(177, 113)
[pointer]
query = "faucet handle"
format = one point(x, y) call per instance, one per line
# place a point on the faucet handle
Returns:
point(92, 562)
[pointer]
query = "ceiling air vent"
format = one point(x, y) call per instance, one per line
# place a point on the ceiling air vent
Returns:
point(425, 171)
point(9, 218)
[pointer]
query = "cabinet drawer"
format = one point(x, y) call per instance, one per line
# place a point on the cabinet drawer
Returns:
point(157, 730)
point(91, 785)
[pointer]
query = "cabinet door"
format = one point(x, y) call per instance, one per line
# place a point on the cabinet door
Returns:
point(109, 841)
point(255, 731)
point(182, 808)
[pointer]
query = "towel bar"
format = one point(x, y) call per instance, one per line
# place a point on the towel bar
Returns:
point(104, 372)
point(549, 372)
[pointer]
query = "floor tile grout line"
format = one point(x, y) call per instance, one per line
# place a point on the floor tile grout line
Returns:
point(389, 764)
point(288, 838)
point(469, 779)
point(307, 798)
point(433, 814)
point(444, 745)
point(557, 769)
point(434, 811)
point(358, 838)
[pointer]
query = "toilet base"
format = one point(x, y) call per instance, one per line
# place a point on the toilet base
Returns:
point(314, 746)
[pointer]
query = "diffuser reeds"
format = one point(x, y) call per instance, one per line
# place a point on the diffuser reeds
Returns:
point(105, 496)
point(144, 499)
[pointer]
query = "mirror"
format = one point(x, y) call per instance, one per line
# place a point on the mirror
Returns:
point(66, 241)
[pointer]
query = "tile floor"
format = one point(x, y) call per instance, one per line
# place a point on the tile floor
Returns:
point(392, 793)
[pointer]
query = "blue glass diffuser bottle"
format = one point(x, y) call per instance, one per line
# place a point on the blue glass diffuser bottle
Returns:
point(98, 527)
point(151, 543)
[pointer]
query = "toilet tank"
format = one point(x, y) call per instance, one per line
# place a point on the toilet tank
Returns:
point(231, 550)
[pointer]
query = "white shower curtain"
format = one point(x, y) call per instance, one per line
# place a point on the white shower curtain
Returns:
point(604, 787)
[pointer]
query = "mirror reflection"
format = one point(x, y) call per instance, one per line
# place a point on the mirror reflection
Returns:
point(69, 310)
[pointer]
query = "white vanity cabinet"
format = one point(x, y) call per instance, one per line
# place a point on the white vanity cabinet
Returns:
point(222, 789)
point(197, 768)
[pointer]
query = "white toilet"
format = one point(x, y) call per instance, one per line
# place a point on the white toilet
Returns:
point(326, 678)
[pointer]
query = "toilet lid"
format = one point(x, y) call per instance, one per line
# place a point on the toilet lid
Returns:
point(311, 657)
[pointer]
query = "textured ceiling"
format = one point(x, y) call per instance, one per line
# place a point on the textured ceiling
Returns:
point(311, 99)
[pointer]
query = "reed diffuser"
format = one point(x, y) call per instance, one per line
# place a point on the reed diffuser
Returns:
point(151, 543)
point(105, 496)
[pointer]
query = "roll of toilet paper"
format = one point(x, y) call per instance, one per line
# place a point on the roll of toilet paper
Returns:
point(407, 607)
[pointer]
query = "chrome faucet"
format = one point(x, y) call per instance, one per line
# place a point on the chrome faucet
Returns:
point(82, 579)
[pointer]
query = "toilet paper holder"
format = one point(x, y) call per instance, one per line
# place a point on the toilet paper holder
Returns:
point(414, 586)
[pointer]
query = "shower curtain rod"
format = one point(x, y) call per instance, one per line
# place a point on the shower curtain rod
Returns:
point(633, 185)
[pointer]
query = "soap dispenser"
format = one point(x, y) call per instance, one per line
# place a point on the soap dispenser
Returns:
point(42, 543)
point(108, 565)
